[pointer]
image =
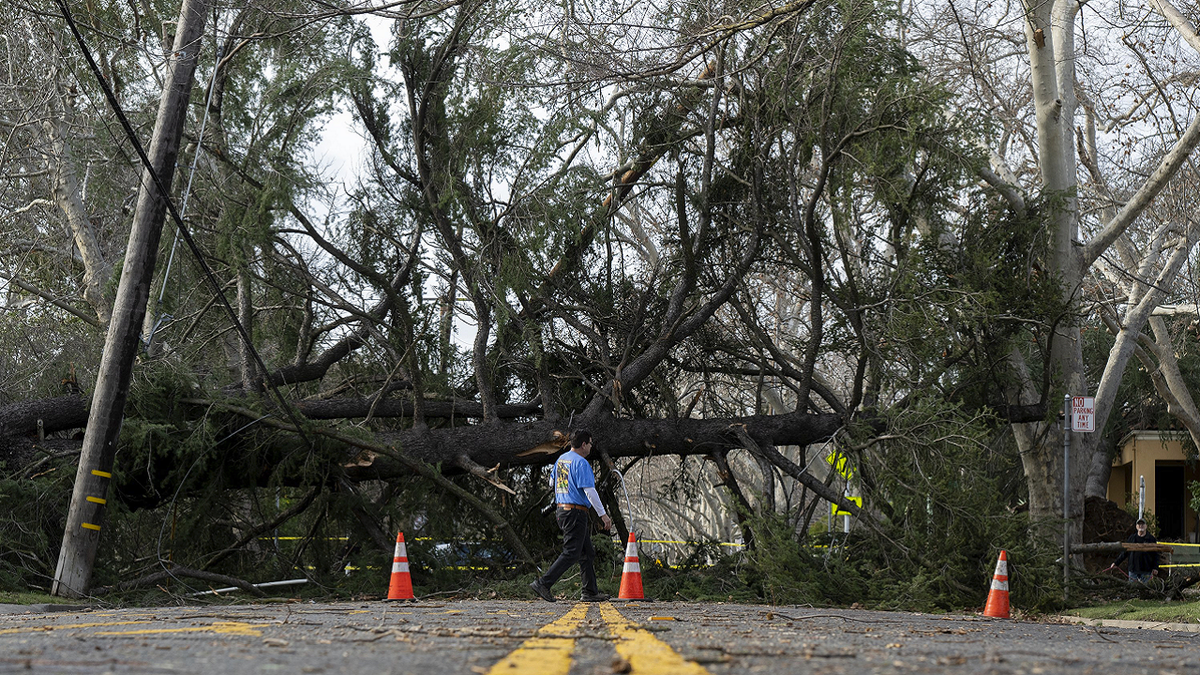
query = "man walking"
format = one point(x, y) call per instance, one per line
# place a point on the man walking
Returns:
point(574, 489)
point(1143, 565)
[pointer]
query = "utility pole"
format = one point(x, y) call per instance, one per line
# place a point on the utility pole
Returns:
point(86, 515)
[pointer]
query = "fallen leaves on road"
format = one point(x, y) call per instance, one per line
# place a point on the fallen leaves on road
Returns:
point(942, 631)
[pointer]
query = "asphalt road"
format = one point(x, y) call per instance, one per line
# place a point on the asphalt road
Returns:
point(540, 638)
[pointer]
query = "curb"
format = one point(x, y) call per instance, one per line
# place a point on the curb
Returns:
point(1124, 623)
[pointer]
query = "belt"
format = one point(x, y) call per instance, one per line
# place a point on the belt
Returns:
point(581, 507)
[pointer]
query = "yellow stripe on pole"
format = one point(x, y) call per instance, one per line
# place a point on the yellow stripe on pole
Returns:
point(102, 474)
point(90, 526)
point(547, 654)
point(97, 500)
point(646, 654)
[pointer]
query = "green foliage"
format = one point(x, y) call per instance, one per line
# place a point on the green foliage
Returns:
point(33, 598)
point(724, 580)
point(32, 512)
point(939, 491)
point(941, 575)
point(945, 486)
point(963, 302)
point(479, 158)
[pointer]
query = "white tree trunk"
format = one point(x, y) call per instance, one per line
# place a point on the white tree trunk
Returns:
point(97, 272)
point(1049, 37)
point(1050, 41)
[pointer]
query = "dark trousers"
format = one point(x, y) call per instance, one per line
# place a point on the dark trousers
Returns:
point(577, 547)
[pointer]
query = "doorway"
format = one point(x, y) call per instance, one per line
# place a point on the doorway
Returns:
point(1169, 500)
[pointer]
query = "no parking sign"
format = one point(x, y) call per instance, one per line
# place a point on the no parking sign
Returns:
point(1083, 413)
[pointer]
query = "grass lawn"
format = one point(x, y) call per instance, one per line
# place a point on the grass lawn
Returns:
point(31, 598)
point(1144, 610)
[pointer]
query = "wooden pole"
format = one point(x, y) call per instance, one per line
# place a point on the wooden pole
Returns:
point(86, 516)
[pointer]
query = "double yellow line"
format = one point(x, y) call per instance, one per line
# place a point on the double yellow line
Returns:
point(549, 653)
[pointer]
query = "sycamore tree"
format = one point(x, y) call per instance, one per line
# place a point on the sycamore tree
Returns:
point(1094, 123)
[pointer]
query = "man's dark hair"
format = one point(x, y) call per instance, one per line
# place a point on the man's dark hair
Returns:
point(580, 437)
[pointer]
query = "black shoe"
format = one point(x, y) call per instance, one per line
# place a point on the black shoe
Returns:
point(542, 590)
point(595, 597)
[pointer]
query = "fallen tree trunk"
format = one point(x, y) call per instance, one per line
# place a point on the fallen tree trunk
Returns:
point(56, 414)
point(503, 443)
point(478, 449)
point(349, 408)
point(531, 443)
point(1118, 546)
point(24, 425)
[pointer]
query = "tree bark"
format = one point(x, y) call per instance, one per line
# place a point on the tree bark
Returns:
point(56, 414)
point(345, 408)
point(96, 269)
point(1049, 32)
point(538, 442)
point(742, 509)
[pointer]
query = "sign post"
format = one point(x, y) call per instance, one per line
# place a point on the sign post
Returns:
point(1066, 558)
point(1141, 497)
point(836, 511)
point(1079, 414)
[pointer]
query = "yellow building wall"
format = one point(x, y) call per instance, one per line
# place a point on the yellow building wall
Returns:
point(1120, 484)
point(1140, 453)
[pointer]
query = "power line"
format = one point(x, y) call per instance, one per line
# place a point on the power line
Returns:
point(187, 191)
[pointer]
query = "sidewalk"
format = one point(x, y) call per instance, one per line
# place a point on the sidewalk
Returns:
point(1123, 623)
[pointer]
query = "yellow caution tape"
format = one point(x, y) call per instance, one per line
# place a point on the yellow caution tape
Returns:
point(693, 543)
point(299, 538)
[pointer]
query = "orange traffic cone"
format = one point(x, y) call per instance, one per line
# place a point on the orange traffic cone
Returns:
point(631, 576)
point(997, 602)
point(401, 586)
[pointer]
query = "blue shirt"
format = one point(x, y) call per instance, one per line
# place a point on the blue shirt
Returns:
point(572, 473)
